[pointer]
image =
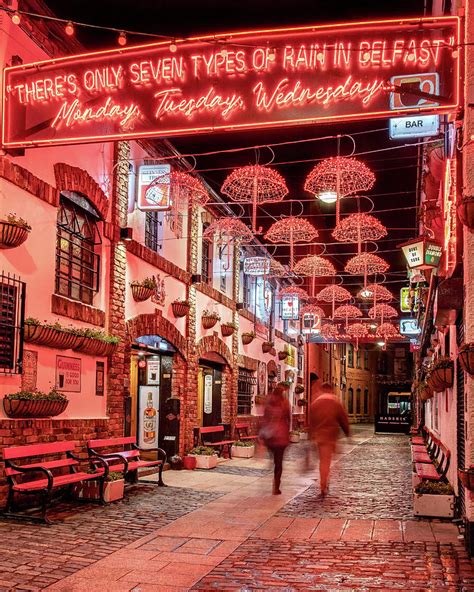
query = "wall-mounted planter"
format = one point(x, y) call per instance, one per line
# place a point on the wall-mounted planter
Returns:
point(299, 388)
point(247, 338)
point(282, 355)
point(96, 347)
point(441, 378)
point(425, 393)
point(180, 309)
point(227, 330)
point(141, 293)
point(267, 347)
point(209, 322)
point(12, 235)
point(51, 337)
point(434, 506)
point(466, 358)
point(17, 408)
point(466, 210)
point(466, 476)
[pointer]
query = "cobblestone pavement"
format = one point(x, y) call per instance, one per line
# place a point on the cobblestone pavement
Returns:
point(373, 480)
point(33, 556)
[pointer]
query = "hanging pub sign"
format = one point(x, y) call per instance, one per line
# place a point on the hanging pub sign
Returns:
point(233, 81)
point(256, 266)
point(422, 253)
point(409, 327)
point(290, 308)
point(154, 187)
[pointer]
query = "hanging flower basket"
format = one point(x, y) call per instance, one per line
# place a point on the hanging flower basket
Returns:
point(180, 308)
point(209, 320)
point(50, 336)
point(13, 232)
point(227, 329)
point(434, 384)
point(273, 352)
point(267, 347)
point(299, 388)
point(442, 374)
point(96, 347)
point(466, 476)
point(282, 355)
point(34, 404)
point(141, 293)
point(466, 358)
point(425, 392)
point(302, 402)
point(466, 210)
point(247, 338)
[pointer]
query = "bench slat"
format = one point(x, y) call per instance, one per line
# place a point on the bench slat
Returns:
point(38, 449)
point(426, 471)
point(421, 457)
point(50, 464)
point(57, 481)
point(105, 442)
point(211, 429)
point(132, 466)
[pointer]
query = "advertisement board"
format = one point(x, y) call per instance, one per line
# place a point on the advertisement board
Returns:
point(154, 187)
point(234, 81)
point(148, 402)
point(68, 374)
point(290, 308)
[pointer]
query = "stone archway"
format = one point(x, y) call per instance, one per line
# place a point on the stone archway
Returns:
point(72, 178)
point(156, 324)
point(213, 343)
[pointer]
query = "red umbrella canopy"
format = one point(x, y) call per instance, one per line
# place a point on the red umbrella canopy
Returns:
point(293, 291)
point(358, 330)
point(228, 229)
point(313, 309)
point(255, 184)
point(387, 331)
point(376, 291)
point(341, 175)
point(315, 266)
point(366, 264)
point(358, 228)
point(291, 230)
point(185, 190)
point(334, 293)
point(382, 311)
point(347, 311)
point(329, 331)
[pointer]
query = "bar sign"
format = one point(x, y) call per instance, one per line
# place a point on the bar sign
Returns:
point(418, 126)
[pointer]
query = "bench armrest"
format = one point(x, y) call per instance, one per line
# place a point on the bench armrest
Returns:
point(93, 460)
point(26, 470)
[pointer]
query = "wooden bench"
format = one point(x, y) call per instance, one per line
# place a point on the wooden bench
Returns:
point(126, 459)
point(213, 436)
point(43, 476)
point(426, 450)
point(242, 430)
point(442, 456)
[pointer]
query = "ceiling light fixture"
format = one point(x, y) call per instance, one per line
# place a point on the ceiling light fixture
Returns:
point(327, 197)
point(16, 18)
point(122, 38)
point(69, 29)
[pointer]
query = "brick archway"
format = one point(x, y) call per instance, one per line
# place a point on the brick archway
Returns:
point(156, 324)
point(71, 178)
point(213, 343)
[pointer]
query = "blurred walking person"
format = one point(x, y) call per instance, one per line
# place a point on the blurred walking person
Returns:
point(327, 418)
point(275, 430)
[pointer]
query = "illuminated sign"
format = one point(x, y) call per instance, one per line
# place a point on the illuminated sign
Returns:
point(290, 308)
point(256, 266)
point(154, 187)
point(422, 252)
point(235, 81)
point(449, 214)
point(419, 126)
point(409, 299)
point(409, 327)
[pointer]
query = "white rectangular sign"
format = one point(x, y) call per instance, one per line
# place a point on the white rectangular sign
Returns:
point(418, 126)
point(148, 401)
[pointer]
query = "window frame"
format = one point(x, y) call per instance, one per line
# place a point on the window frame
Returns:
point(206, 258)
point(154, 231)
point(12, 317)
point(350, 355)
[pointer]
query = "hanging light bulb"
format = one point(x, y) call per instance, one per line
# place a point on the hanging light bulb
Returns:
point(69, 28)
point(122, 38)
point(365, 292)
point(173, 47)
point(381, 343)
point(16, 18)
point(328, 197)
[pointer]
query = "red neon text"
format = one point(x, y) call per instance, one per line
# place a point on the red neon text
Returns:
point(70, 114)
point(211, 101)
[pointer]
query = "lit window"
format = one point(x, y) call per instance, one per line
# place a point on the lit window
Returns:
point(245, 388)
point(154, 231)
point(12, 296)
point(206, 259)
point(350, 355)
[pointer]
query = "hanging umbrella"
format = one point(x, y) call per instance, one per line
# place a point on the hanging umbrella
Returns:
point(313, 309)
point(185, 190)
point(358, 331)
point(256, 185)
point(382, 311)
point(227, 231)
point(329, 331)
point(289, 291)
point(347, 311)
point(338, 177)
point(387, 331)
point(314, 266)
point(291, 230)
point(376, 291)
point(332, 294)
point(366, 264)
point(358, 228)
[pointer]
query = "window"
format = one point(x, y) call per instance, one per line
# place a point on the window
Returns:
point(350, 355)
point(245, 387)
point(246, 291)
point(206, 259)
point(223, 260)
point(350, 401)
point(77, 263)
point(358, 401)
point(358, 365)
point(366, 402)
point(366, 359)
point(154, 231)
point(12, 298)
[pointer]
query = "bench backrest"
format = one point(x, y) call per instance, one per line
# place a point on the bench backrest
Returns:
point(107, 442)
point(241, 426)
point(50, 465)
point(45, 449)
point(211, 430)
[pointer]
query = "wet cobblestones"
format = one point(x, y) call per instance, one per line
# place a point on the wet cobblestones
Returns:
point(341, 566)
point(372, 481)
point(33, 556)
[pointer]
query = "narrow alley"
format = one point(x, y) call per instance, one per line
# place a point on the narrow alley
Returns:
point(223, 530)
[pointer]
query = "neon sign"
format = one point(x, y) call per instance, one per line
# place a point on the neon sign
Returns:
point(236, 81)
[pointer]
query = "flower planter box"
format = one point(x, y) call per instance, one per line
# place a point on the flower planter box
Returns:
point(50, 337)
point(282, 355)
point(294, 438)
point(12, 235)
point(434, 506)
point(247, 339)
point(189, 462)
point(89, 490)
point(301, 402)
point(442, 378)
point(466, 210)
point(466, 476)
point(426, 393)
point(243, 451)
point(266, 347)
point(209, 322)
point(33, 407)
point(96, 347)
point(180, 309)
point(141, 293)
point(466, 359)
point(226, 330)
point(273, 352)
point(206, 461)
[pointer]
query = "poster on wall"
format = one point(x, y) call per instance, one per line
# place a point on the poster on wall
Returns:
point(153, 372)
point(99, 378)
point(262, 379)
point(30, 370)
point(208, 393)
point(148, 401)
point(154, 187)
point(68, 374)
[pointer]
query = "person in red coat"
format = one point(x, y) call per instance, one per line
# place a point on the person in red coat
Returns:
point(275, 430)
point(327, 418)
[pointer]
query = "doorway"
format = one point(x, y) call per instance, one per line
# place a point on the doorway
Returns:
point(210, 393)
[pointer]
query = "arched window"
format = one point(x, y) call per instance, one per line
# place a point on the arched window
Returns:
point(366, 402)
point(358, 401)
point(350, 401)
point(350, 355)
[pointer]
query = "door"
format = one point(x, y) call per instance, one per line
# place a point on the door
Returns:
point(211, 396)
